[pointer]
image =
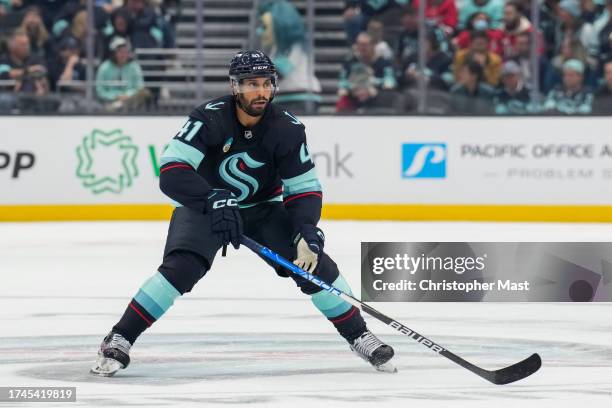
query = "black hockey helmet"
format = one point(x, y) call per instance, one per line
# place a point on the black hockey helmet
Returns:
point(252, 64)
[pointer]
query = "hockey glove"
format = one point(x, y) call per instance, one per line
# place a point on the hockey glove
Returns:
point(222, 205)
point(309, 241)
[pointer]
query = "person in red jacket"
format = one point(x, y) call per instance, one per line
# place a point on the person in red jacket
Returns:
point(480, 21)
point(515, 24)
point(442, 13)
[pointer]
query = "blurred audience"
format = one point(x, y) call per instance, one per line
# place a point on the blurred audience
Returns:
point(381, 47)
point(441, 13)
point(513, 98)
point(32, 24)
point(67, 66)
point(357, 14)
point(121, 25)
point(492, 9)
point(147, 32)
point(29, 71)
point(119, 80)
point(437, 72)
point(571, 49)
point(603, 26)
point(570, 25)
point(471, 94)
point(480, 22)
point(479, 53)
point(366, 79)
point(603, 98)
point(408, 41)
point(571, 97)
point(515, 24)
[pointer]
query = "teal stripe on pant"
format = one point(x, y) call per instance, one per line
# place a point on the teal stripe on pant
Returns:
point(331, 305)
point(157, 295)
point(149, 304)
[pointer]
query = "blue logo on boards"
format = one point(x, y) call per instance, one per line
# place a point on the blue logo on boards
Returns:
point(424, 160)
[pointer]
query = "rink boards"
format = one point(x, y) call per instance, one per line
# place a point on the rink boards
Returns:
point(395, 168)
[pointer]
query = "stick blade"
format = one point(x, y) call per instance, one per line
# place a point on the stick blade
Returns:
point(517, 371)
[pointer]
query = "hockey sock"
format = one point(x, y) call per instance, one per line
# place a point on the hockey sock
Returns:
point(346, 318)
point(152, 300)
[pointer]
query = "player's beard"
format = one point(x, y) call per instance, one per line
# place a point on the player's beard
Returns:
point(249, 108)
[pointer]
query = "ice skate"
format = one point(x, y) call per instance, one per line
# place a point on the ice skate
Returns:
point(371, 349)
point(112, 356)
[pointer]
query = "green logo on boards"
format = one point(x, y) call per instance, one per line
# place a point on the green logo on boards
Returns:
point(107, 161)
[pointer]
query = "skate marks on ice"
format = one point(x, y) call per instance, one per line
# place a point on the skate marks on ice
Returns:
point(226, 361)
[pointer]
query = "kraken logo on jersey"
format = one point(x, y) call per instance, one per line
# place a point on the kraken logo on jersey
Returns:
point(232, 175)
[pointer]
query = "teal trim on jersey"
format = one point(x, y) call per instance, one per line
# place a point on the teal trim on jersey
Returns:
point(304, 155)
point(167, 159)
point(331, 305)
point(183, 152)
point(272, 200)
point(5, 68)
point(160, 291)
point(149, 304)
point(302, 183)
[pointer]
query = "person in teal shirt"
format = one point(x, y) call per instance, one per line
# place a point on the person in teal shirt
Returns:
point(119, 80)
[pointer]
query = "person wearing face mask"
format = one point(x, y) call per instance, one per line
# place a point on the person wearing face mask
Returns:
point(493, 9)
point(480, 22)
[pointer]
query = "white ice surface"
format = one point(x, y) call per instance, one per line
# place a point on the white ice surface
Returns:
point(246, 337)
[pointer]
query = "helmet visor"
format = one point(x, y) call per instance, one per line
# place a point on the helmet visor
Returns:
point(261, 85)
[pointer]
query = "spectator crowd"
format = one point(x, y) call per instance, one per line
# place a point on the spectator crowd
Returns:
point(477, 57)
point(43, 51)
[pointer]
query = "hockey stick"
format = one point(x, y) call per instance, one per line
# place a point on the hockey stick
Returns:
point(504, 375)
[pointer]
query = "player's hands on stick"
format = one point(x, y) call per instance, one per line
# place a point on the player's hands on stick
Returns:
point(226, 220)
point(309, 241)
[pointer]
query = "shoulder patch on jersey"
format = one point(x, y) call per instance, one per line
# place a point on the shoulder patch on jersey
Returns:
point(295, 120)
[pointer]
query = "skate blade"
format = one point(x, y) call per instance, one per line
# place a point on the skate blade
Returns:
point(386, 368)
point(106, 367)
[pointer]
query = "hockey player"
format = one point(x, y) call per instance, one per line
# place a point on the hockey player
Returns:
point(239, 164)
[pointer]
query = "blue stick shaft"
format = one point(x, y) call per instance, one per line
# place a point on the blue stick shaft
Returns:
point(279, 260)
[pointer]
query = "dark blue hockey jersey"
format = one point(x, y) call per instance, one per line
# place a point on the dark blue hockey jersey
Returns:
point(269, 162)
